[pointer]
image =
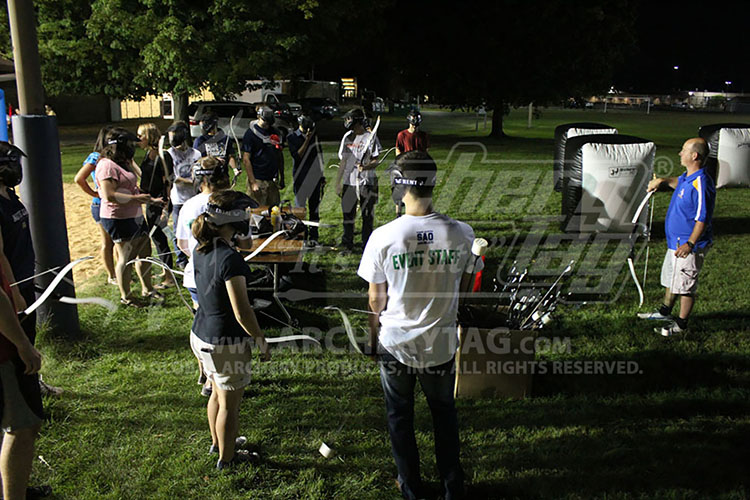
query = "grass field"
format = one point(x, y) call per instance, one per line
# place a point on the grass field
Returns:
point(131, 423)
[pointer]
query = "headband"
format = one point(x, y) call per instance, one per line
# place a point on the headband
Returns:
point(221, 217)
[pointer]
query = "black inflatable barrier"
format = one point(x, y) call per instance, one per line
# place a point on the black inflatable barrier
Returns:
point(572, 189)
point(561, 137)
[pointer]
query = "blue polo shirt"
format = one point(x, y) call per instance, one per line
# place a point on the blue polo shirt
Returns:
point(693, 200)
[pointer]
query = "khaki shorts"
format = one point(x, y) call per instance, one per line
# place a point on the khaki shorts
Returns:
point(227, 366)
point(680, 275)
point(267, 194)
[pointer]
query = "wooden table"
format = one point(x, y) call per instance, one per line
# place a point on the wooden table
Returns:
point(278, 251)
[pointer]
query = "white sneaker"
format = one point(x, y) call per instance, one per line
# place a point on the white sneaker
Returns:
point(654, 315)
point(669, 329)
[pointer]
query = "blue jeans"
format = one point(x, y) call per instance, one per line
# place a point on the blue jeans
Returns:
point(182, 259)
point(437, 383)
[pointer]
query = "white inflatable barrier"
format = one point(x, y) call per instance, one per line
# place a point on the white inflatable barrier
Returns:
point(712, 134)
point(565, 131)
point(733, 157)
point(604, 181)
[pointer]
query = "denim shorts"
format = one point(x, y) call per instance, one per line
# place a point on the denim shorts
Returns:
point(95, 212)
point(124, 229)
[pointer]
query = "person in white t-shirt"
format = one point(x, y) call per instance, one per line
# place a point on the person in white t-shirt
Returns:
point(356, 182)
point(180, 159)
point(415, 266)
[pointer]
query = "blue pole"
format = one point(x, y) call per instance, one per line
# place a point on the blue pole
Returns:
point(3, 121)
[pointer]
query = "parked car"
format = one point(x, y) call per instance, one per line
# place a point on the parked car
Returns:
point(243, 113)
point(283, 100)
point(319, 107)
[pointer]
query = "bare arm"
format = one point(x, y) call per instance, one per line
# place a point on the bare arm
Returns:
point(660, 182)
point(8, 271)
point(11, 330)
point(244, 314)
point(110, 194)
point(184, 246)
point(82, 177)
point(378, 299)
point(684, 250)
point(249, 171)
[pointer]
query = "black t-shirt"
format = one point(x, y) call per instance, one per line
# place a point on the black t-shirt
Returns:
point(307, 168)
point(218, 145)
point(265, 157)
point(14, 223)
point(215, 322)
point(152, 178)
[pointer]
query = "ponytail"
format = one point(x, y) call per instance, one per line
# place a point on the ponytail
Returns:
point(206, 232)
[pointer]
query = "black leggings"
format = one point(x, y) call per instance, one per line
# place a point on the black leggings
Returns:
point(153, 214)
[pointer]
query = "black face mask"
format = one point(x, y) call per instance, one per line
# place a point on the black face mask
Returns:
point(11, 173)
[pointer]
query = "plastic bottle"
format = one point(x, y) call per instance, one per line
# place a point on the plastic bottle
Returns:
point(275, 218)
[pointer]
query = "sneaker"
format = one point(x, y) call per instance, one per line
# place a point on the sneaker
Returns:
point(33, 492)
point(672, 328)
point(240, 457)
point(654, 315)
point(238, 444)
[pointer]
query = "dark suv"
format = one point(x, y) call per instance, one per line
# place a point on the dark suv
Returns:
point(319, 107)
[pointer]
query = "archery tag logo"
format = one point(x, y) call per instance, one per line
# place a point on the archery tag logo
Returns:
point(425, 237)
point(617, 172)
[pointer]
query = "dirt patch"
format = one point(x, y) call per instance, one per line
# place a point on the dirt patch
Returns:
point(83, 236)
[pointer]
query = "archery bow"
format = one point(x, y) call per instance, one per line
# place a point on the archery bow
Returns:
point(631, 255)
point(238, 169)
point(365, 150)
point(53, 284)
point(347, 327)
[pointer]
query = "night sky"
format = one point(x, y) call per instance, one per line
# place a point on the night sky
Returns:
point(708, 41)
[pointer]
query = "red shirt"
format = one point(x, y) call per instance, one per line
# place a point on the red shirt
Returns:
point(417, 141)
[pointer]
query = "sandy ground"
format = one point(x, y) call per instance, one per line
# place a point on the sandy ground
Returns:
point(83, 236)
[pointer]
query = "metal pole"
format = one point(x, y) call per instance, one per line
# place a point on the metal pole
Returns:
point(41, 189)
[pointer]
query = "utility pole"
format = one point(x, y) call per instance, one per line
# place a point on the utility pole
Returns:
point(41, 190)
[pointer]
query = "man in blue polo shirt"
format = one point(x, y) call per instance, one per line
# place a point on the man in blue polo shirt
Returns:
point(689, 235)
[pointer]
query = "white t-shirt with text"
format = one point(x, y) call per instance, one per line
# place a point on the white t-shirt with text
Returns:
point(422, 260)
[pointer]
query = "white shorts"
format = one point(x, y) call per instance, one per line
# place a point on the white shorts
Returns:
point(227, 366)
point(680, 275)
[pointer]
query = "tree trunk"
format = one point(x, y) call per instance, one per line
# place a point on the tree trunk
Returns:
point(180, 102)
point(498, 111)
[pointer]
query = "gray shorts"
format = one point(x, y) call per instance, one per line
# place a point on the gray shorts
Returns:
point(20, 398)
point(680, 275)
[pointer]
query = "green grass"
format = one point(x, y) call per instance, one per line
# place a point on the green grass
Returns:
point(132, 424)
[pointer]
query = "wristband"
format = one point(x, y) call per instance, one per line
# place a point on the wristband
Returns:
point(690, 244)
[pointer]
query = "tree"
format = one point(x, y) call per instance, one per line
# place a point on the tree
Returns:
point(128, 48)
point(510, 52)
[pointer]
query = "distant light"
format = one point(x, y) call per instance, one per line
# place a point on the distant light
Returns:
point(676, 67)
point(691, 93)
point(727, 83)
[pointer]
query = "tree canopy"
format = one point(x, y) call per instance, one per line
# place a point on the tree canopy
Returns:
point(129, 48)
